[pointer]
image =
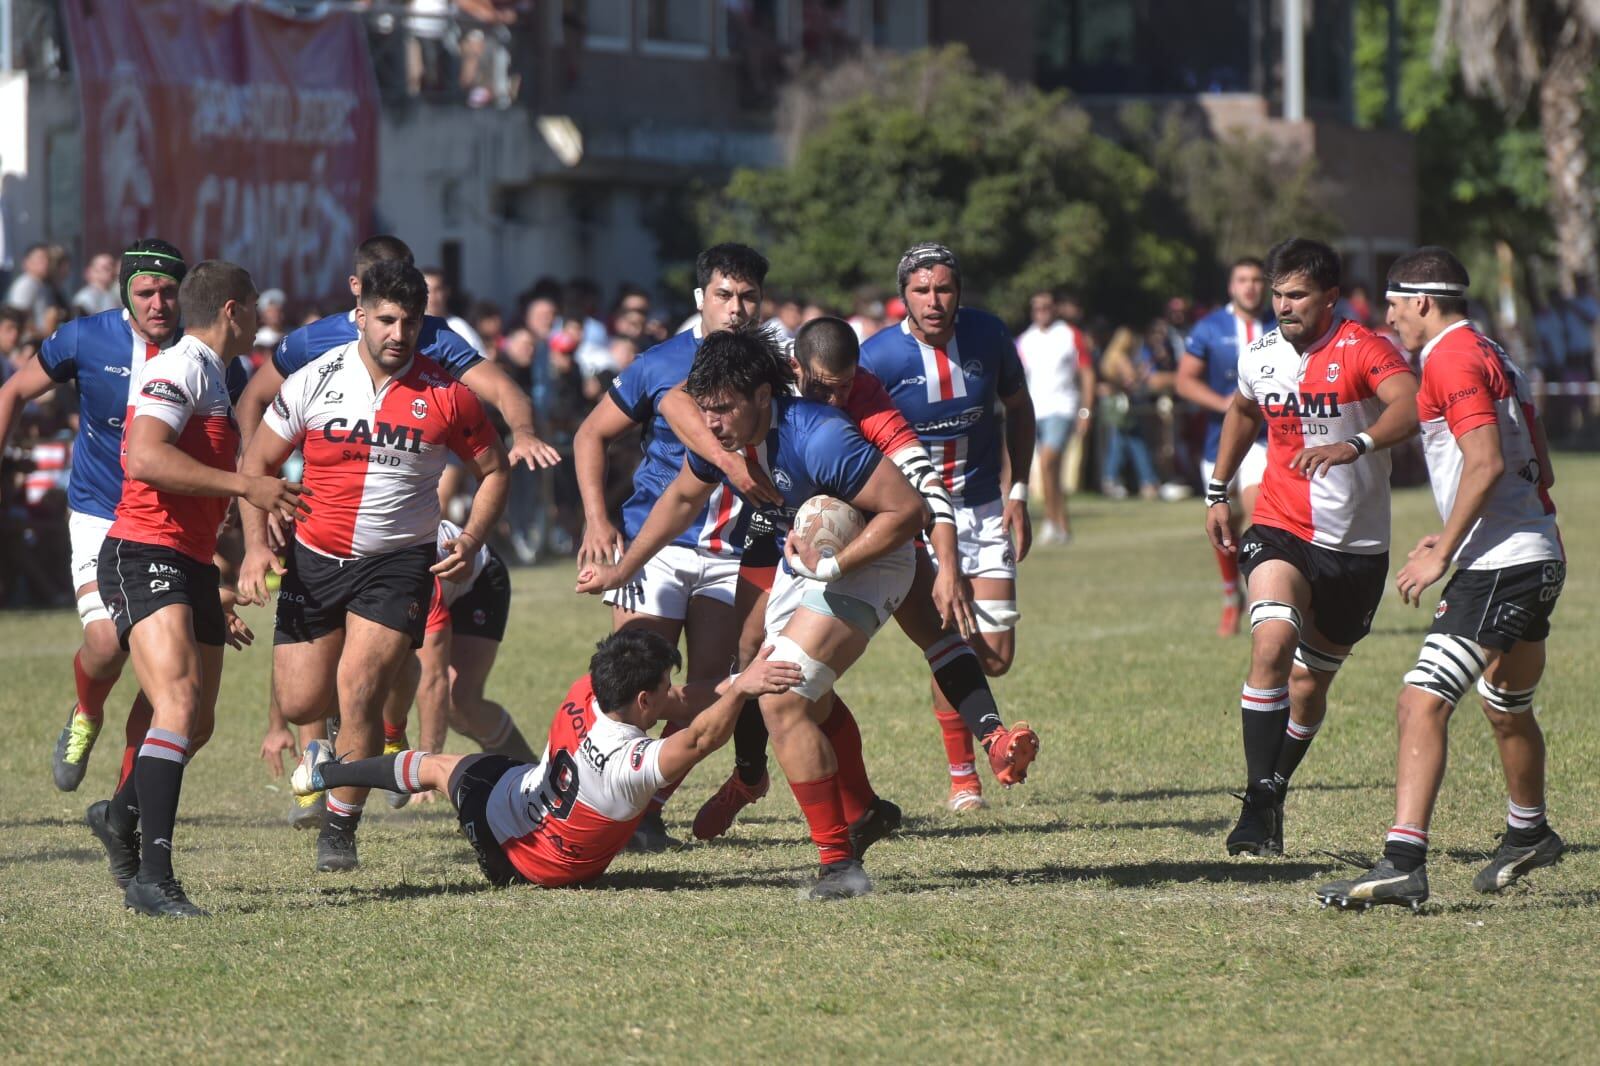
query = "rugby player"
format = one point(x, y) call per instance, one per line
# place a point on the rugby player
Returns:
point(101, 356)
point(373, 420)
point(936, 614)
point(947, 367)
point(561, 821)
point(161, 587)
point(1208, 377)
point(1334, 396)
point(822, 612)
point(437, 342)
point(687, 588)
point(1491, 475)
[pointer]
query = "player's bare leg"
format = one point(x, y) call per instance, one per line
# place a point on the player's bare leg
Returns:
point(1506, 690)
point(96, 667)
point(471, 712)
point(994, 644)
point(1280, 600)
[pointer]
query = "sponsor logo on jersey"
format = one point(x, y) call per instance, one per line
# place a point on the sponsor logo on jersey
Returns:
point(1333, 372)
point(332, 396)
point(120, 371)
point(1301, 404)
point(972, 368)
point(166, 391)
point(419, 408)
point(162, 568)
point(781, 479)
point(329, 366)
point(592, 755)
point(918, 380)
point(970, 417)
point(383, 435)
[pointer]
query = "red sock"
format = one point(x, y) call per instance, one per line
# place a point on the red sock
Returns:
point(957, 743)
point(855, 790)
point(659, 800)
point(133, 735)
point(820, 803)
point(92, 692)
point(1229, 565)
point(394, 734)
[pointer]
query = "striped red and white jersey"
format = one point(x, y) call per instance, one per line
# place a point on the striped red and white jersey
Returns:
point(1467, 383)
point(373, 455)
point(1326, 395)
point(185, 387)
point(562, 820)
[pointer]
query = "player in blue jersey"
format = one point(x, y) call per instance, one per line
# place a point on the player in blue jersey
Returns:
point(1207, 377)
point(438, 343)
point(687, 588)
point(947, 367)
point(100, 356)
point(823, 610)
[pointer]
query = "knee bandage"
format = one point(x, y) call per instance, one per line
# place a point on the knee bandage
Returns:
point(1264, 611)
point(1506, 700)
point(996, 616)
point(1446, 666)
point(818, 676)
point(92, 609)
point(1315, 659)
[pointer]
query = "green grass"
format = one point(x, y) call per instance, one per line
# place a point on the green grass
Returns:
point(1088, 915)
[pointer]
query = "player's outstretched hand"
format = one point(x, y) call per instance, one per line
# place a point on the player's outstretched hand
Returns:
point(1424, 566)
point(752, 482)
point(237, 634)
point(528, 448)
point(1016, 522)
point(1316, 462)
point(457, 565)
point(602, 543)
point(278, 740)
point(599, 577)
point(952, 598)
point(253, 576)
point(286, 499)
point(1218, 530)
point(765, 677)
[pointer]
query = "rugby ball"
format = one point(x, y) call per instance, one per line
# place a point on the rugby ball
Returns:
point(828, 523)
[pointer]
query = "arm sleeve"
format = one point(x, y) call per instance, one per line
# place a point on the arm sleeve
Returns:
point(285, 415)
point(167, 390)
point(1083, 348)
point(631, 391)
point(1379, 360)
point(469, 429)
point(880, 420)
point(702, 469)
point(1460, 389)
point(59, 354)
point(635, 770)
point(1247, 385)
point(841, 460)
point(453, 352)
point(1197, 343)
point(290, 354)
point(1012, 377)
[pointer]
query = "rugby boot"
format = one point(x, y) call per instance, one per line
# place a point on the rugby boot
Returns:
point(845, 879)
point(72, 750)
point(879, 820)
point(160, 899)
point(1259, 830)
point(650, 835)
point(966, 794)
point(1011, 752)
point(1381, 884)
point(716, 815)
point(336, 851)
point(1511, 862)
point(306, 779)
point(308, 812)
point(122, 849)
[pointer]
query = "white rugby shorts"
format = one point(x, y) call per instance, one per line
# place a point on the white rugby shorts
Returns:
point(985, 545)
point(87, 532)
point(871, 594)
point(664, 586)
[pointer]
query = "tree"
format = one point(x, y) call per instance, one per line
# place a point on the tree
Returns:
point(1542, 51)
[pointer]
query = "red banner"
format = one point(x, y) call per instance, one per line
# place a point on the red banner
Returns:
point(231, 131)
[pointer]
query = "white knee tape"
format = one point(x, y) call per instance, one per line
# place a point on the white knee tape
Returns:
point(1263, 611)
point(1506, 700)
point(819, 676)
point(1446, 666)
point(1318, 660)
point(996, 616)
point(92, 609)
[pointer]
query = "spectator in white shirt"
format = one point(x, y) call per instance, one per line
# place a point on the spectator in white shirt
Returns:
point(1060, 369)
point(99, 292)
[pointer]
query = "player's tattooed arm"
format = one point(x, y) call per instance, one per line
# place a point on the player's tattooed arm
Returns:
point(671, 515)
point(602, 542)
point(495, 386)
point(1241, 427)
point(747, 478)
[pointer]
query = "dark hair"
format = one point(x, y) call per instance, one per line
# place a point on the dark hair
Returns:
point(1301, 255)
point(149, 255)
point(739, 262)
point(396, 282)
point(739, 361)
point(15, 316)
point(627, 663)
point(381, 249)
point(827, 344)
point(1246, 261)
point(485, 309)
point(925, 256)
point(37, 246)
point(1431, 263)
point(209, 286)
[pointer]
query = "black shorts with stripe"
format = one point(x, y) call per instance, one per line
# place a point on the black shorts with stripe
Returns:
point(1498, 608)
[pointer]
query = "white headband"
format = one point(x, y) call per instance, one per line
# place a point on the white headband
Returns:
point(1444, 289)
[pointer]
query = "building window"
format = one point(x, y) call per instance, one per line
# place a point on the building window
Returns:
point(758, 24)
point(675, 27)
point(608, 24)
point(901, 25)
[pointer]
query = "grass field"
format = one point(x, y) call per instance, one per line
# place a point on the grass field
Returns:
point(1088, 915)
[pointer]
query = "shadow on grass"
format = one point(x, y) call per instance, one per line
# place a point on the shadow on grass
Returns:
point(55, 855)
point(1483, 854)
point(1140, 874)
point(1178, 792)
point(923, 829)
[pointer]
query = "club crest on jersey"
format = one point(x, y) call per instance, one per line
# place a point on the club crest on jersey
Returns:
point(973, 368)
point(781, 479)
point(160, 389)
point(1333, 372)
point(636, 756)
point(419, 408)
point(1439, 611)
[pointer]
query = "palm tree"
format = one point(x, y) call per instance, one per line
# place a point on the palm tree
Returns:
point(1511, 50)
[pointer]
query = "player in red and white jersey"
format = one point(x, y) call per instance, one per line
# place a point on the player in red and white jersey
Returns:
point(1491, 478)
point(1333, 396)
point(936, 614)
point(562, 820)
point(156, 573)
point(373, 421)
